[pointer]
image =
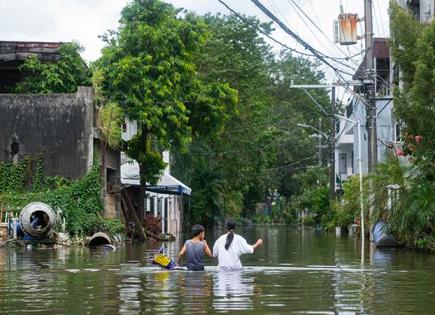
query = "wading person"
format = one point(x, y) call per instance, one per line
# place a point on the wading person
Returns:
point(195, 249)
point(229, 247)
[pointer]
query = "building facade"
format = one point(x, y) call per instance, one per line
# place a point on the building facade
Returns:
point(60, 128)
point(166, 200)
point(388, 129)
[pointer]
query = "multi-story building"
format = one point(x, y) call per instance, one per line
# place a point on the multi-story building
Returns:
point(346, 151)
point(388, 127)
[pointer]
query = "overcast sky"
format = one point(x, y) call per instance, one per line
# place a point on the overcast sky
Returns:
point(84, 20)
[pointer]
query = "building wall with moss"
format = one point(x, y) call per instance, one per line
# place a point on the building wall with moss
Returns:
point(57, 127)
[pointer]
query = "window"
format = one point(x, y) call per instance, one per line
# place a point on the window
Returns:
point(342, 163)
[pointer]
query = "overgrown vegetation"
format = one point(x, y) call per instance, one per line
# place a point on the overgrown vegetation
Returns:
point(148, 68)
point(260, 151)
point(62, 76)
point(413, 50)
point(79, 201)
point(403, 186)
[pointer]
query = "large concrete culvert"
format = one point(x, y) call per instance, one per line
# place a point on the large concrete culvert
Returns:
point(99, 239)
point(37, 219)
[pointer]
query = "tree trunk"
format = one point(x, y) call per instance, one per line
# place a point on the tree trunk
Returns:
point(143, 182)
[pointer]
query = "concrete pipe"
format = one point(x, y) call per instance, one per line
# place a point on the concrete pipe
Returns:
point(99, 239)
point(37, 219)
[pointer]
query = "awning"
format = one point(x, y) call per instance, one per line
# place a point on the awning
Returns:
point(167, 184)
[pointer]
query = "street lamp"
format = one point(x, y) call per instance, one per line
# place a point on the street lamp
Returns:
point(357, 123)
point(315, 129)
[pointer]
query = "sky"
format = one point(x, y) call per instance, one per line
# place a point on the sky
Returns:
point(84, 20)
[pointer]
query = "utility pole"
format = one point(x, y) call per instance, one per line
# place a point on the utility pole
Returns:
point(370, 96)
point(331, 137)
point(370, 87)
point(332, 148)
point(319, 152)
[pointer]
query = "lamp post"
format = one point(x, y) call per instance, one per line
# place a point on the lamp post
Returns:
point(357, 123)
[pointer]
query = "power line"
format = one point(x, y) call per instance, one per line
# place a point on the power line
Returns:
point(317, 27)
point(303, 43)
point(245, 20)
point(315, 54)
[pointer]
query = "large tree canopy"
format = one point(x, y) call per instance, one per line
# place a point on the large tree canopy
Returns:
point(148, 67)
point(254, 158)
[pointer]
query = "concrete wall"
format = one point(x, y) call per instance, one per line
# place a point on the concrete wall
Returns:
point(58, 126)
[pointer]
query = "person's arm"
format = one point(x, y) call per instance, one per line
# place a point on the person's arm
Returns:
point(257, 244)
point(207, 249)
point(181, 253)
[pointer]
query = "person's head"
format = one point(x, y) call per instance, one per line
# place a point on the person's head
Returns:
point(231, 226)
point(198, 230)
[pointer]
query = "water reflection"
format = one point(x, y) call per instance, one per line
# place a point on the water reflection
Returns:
point(300, 272)
point(232, 290)
point(129, 290)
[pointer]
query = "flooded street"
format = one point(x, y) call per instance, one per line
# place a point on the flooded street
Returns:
point(296, 271)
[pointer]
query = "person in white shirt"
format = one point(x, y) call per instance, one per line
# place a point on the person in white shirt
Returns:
point(229, 247)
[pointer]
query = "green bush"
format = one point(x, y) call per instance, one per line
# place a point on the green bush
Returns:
point(80, 201)
point(309, 220)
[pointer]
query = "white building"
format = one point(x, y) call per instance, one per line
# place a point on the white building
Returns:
point(388, 129)
point(423, 10)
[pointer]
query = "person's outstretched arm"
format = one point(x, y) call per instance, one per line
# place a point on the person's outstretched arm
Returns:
point(207, 249)
point(257, 244)
point(181, 253)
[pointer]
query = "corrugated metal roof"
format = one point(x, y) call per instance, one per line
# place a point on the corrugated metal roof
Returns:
point(14, 50)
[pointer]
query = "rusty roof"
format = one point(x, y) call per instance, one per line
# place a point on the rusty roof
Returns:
point(381, 50)
point(17, 50)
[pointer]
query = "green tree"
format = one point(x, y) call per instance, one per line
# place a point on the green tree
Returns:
point(254, 155)
point(148, 67)
point(413, 50)
point(62, 76)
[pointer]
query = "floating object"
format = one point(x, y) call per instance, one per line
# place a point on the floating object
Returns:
point(380, 236)
point(161, 259)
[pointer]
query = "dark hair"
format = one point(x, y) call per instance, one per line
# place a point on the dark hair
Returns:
point(197, 229)
point(231, 226)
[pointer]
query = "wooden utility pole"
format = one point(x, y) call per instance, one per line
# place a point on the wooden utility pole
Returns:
point(332, 147)
point(371, 100)
point(370, 87)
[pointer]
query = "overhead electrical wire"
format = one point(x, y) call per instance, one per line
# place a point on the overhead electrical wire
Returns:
point(304, 44)
point(241, 17)
point(318, 28)
point(315, 55)
point(317, 38)
point(308, 47)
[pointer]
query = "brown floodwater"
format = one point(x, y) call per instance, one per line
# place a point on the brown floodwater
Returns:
point(295, 272)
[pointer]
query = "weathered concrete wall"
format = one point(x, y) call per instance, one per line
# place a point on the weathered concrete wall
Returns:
point(58, 126)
